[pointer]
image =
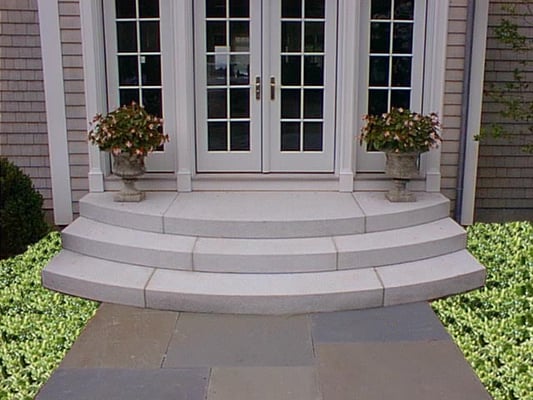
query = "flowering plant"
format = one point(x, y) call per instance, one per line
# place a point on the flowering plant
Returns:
point(401, 131)
point(127, 129)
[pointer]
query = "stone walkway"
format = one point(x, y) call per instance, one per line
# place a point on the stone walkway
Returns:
point(400, 353)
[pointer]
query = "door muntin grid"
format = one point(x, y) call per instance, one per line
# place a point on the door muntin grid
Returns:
point(302, 75)
point(228, 82)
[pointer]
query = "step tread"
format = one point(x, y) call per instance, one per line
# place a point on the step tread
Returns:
point(104, 280)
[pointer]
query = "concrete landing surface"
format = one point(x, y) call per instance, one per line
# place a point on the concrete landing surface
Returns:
point(401, 353)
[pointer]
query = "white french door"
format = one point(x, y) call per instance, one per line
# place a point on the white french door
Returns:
point(265, 85)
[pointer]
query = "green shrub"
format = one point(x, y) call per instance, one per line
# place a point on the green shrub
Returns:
point(493, 326)
point(21, 215)
point(37, 326)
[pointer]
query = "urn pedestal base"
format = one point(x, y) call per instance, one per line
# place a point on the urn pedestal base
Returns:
point(399, 193)
point(128, 193)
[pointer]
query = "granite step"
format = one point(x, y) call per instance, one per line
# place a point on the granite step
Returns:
point(287, 255)
point(239, 293)
point(264, 215)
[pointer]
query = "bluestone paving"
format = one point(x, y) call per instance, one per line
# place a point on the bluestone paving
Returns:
point(229, 340)
point(397, 323)
point(400, 353)
point(123, 337)
point(130, 384)
point(264, 383)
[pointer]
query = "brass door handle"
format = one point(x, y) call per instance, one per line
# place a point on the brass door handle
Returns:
point(258, 88)
point(272, 88)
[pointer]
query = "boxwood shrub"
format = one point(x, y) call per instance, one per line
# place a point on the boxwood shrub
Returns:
point(37, 326)
point(493, 326)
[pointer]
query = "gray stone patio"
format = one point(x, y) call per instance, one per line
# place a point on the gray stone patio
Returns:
point(400, 353)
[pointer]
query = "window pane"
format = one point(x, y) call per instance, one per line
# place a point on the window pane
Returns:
point(291, 36)
point(380, 37)
point(313, 136)
point(314, 36)
point(239, 8)
point(240, 70)
point(151, 70)
point(291, 9)
point(216, 36)
point(239, 36)
point(128, 73)
point(215, 8)
point(403, 9)
point(401, 71)
point(314, 8)
point(217, 136)
point(240, 103)
point(377, 102)
point(313, 103)
point(381, 9)
point(126, 37)
point(125, 8)
point(129, 95)
point(152, 101)
point(216, 103)
point(216, 69)
point(290, 70)
point(314, 70)
point(401, 98)
point(240, 136)
point(290, 136)
point(148, 8)
point(150, 36)
point(290, 103)
point(402, 38)
point(379, 71)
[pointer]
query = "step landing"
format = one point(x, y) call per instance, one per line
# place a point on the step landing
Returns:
point(263, 253)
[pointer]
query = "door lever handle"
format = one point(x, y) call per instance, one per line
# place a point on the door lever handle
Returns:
point(272, 88)
point(258, 88)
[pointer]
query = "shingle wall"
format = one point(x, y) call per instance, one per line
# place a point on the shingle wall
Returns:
point(505, 173)
point(69, 21)
point(23, 131)
point(453, 89)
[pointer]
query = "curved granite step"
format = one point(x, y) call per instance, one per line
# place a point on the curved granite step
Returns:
point(252, 215)
point(128, 284)
point(286, 255)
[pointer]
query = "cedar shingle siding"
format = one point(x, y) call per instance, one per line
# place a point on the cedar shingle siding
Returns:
point(23, 137)
point(505, 173)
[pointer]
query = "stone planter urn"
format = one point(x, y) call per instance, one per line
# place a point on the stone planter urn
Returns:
point(401, 167)
point(129, 168)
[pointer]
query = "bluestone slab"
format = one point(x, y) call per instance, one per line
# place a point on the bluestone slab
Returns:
point(228, 340)
point(123, 337)
point(408, 322)
point(130, 384)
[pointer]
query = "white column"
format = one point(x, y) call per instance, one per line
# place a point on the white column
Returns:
point(95, 80)
point(433, 100)
point(477, 77)
point(183, 15)
point(347, 106)
point(55, 110)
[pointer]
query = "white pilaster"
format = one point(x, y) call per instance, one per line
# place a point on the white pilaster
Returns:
point(184, 55)
point(55, 110)
point(347, 71)
point(481, 17)
point(433, 100)
point(95, 79)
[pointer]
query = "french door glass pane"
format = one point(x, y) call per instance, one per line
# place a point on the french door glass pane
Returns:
point(150, 36)
point(302, 75)
point(228, 75)
point(127, 37)
point(149, 8)
point(125, 8)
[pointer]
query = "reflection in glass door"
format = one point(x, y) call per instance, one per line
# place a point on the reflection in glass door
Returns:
point(265, 85)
